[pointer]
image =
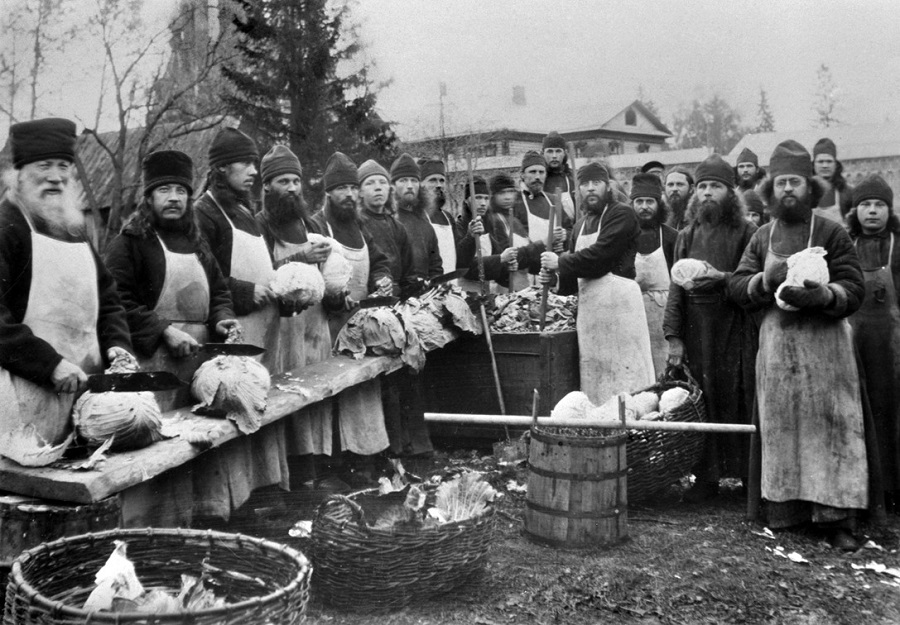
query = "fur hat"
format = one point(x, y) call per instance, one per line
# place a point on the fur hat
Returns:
point(339, 170)
point(371, 168)
point(41, 139)
point(824, 146)
point(593, 171)
point(168, 167)
point(715, 168)
point(502, 182)
point(532, 158)
point(553, 140)
point(873, 187)
point(747, 156)
point(405, 167)
point(279, 161)
point(646, 185)
point(431, 166)
point(231, 145)
point(790, 158)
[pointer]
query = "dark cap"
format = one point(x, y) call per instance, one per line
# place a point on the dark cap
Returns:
point(481, 186)
point(873, 187)
point(593, 171)
point(532, 158)
point(652, 165)
point(502, 182)
point(715, 168)
point(747, 156)
point(405, 167)
point(231, 145)
point(431, 166)
point(279, 161)
point(553, 140)
point(339, 170)
point(646, 185)
point(168, 167)
point(825, 146)
point(790, 158)
point(40, 139)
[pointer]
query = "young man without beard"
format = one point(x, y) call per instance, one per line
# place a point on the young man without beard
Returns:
point(508, 231)
point(818, 462)
point(176, 298)
point(654, 258)
point(410, 199)
point(560, 178)
point(837, 199)
point(613, 342)
point(875, 230)
point(60, 314)
point(679, 187)
point(715, 336)
point(749, 173)
point(533, 205)
point(480, 233)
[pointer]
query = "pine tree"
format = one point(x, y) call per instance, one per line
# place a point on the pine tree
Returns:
point(764, 113)
point(287, 87)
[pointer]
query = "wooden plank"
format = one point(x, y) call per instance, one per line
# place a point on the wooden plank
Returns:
point(290, 392)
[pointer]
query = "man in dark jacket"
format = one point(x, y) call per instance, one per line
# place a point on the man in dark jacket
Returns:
point(533, 205)
point(496, 260)
point(171, 286)
point(560, 178)
point(410, 198)
point(679, 187)
point(60, 314)
point(838, 198)
point(703, 327)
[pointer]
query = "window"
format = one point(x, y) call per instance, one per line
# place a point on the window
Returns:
point(490, 149)
point(630, 117)
point(504, 148)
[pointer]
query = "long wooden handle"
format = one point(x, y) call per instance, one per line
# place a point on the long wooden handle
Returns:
point(575, 194)
point(630, 424)
point(545, 292)
point(479, 256)
point(496, 371)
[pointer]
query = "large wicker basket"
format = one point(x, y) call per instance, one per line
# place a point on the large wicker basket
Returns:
point(262, 581)
point(358, 567)
point(658, 458)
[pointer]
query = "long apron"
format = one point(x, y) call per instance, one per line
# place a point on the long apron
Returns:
point(360, 412)
point(184, 301)
point(876, 330)
point(653, 278)
point(63, 308)
point(833, 211)
point(446, 246)
point(613, 342)
point(538, 227)
point(810, 408)
point(228, 474)
point(304, 339)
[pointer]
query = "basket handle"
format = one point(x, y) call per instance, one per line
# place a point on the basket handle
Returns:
point(356, 510)
point(669, 375)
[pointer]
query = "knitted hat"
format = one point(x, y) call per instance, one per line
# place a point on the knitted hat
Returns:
point(651, 165)
point(168, 167)
point(684, 172)
point(404, 167)
point(232, 146)
point(41, 139)
point(532, 158)
point(824, 146)
point(593, 171)
point(754, 203)
point(339, 170)
point(747, 156)
point(481, 186)
point(279, 161)
point(790, 158)
point(873, 187)
point(715, 168)
point(553, 140)
point(502, 182)
point(371, 168)
point(431, 166)
point(646, 185)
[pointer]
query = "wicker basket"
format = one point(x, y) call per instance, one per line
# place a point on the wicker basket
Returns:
point(361, 568)
point(262, 581)
point(658, 458)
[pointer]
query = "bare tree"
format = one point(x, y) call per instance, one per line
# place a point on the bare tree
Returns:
point(826, 102)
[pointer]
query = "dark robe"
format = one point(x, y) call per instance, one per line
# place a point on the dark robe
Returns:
point(426, 255)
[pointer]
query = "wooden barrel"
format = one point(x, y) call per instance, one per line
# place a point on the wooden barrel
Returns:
point(26, 522)
point(577, 492)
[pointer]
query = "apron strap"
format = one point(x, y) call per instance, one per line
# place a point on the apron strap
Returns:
point(219, 206)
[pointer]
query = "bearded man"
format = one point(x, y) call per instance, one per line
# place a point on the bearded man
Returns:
point(837, 199)
point(714, 335)
point(497, 260)
point(411, 199)
point(654, 258)
point(613, 342)
point(679, 187)
point(560, 178)
point(749, 173)
point(533, 206)
point(817, 460)
point(60, 314)
point(173, 291)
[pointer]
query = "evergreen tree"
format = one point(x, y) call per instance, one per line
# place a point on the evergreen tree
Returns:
point(646, 101)
point(287, 87)
point(764, 113)
point(711, 123)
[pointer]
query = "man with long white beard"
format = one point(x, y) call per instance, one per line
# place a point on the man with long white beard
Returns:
point(714, 335)
point(60, 314)
point(679, 187)
point(818, 459)
point(613, 342)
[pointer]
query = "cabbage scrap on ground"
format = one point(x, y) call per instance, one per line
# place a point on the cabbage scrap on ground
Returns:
point(235, 387)
point(520, 311)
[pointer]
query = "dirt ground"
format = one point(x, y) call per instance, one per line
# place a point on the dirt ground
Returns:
point(681, 563)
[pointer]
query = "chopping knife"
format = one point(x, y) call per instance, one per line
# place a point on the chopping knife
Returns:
point(232, 349)
point(133, 382)
point(447, 277)
point(374, 302)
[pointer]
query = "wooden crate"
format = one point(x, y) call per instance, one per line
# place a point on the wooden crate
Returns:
point(458, 377)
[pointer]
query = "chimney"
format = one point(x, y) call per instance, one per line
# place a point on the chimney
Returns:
point(519, 95)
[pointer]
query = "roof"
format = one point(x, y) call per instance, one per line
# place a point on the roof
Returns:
point(853, 142)
point(668, 158)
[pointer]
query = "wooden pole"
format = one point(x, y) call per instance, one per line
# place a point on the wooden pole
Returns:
point(545, 292)
point(629, 424)
point(575, 195)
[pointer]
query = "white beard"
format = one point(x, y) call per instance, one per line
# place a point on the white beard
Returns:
point(59, 214)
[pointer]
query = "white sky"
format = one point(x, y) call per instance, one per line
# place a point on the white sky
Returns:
point(595, 51)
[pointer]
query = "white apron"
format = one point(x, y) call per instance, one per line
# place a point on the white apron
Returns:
point(613, 342)
point(832, 212)
point(653, 278)
point(304, 339)
point(446, 246)
point(538, 227)
point(63, 309)
point(184, 301)
point(360, 411)
point(474, 286)
point(568, 204)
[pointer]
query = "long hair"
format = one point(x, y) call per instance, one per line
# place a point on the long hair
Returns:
point(838, 180)
point(816, 191)
point(141, 223)
point(217, 182)
point(734, 210)
point(854, 228)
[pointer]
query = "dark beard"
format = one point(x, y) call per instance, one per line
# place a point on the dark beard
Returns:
point(793, 214)
point(182, 224)
point(678, 206)
point(746, 185)
point(710, 212)
point(594, 209)
point(344, 212)
point(286, 208)
point(417, 204)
